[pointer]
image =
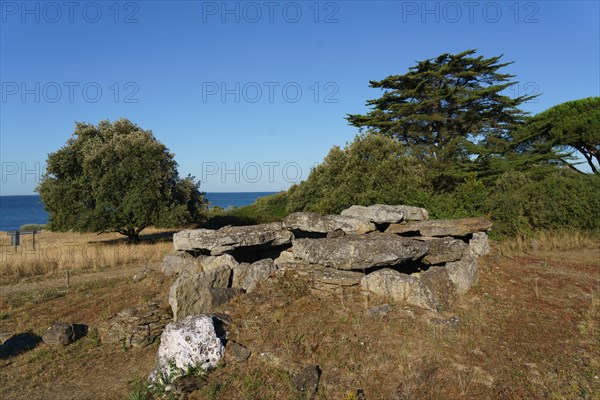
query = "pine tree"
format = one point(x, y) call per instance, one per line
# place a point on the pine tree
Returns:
point(449, 111)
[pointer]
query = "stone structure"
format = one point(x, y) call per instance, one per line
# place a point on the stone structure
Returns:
point(136, 326)
point(391, 251)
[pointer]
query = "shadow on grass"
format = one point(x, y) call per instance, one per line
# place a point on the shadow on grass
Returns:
point(157, 237)
point(219, 221)
point(18, 344)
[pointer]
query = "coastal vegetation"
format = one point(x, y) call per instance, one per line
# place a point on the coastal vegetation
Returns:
point(442, 136)
point(117, 177)
point(445, 137)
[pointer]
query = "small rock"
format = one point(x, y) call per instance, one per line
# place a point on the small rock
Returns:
point(63, 334)
point(451, 322)
point(235, 352)
point(380, 310)
point(187, 384)
point(307, 380)
point(139, 276)
point(284, 257)
point(223, 318)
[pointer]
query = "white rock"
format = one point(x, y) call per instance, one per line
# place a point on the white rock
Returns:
point(190, 343)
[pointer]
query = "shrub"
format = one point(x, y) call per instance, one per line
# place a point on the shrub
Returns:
point(372, 169)
point(32, 227)
point(521, 202)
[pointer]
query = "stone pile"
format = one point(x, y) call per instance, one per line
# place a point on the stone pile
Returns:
point(391, 251)
point(136, 326)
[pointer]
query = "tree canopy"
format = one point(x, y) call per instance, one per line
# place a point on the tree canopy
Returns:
point(444, 136)
point(117, 177)
point(371, 169)
point(446, 110)
point(573, 127)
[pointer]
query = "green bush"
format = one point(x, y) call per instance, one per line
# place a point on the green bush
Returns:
point(521, 202)
point(372, 169)
point(266, 209)
point(32, 227)
point(376, 169)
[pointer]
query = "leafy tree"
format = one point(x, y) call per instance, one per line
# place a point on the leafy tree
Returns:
point(573, 126)
point(117, 177)
point(371, 169)
point(447, 110)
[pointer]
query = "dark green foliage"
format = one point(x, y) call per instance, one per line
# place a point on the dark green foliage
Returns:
point(443, 137)
point(449, 111)
point(521, 202)
point(117, 178)
point(266, 209)
point(573, 126)
point(372, 169)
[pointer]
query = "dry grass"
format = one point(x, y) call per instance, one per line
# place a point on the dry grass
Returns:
point(552, 241)
point(529, 329)
point(87, 369)
point(57, 252)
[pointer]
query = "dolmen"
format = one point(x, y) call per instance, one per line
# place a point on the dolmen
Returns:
point(392, 251)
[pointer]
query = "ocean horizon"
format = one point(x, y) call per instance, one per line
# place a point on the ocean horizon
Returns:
point(18, 210)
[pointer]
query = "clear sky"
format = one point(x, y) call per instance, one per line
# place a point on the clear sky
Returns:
point(250, 95)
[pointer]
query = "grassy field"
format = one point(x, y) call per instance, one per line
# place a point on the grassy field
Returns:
point(56, 253)
point(529, 329)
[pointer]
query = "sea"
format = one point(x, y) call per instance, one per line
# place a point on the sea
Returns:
point(16, 211)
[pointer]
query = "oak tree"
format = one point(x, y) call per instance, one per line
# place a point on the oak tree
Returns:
point(117, 177)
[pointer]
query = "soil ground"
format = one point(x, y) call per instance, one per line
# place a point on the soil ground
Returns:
point(529, 329)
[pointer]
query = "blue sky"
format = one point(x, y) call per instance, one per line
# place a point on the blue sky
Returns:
point(250, 95)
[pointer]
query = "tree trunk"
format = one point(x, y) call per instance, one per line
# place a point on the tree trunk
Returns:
point(133, 234)
point(133, 238)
